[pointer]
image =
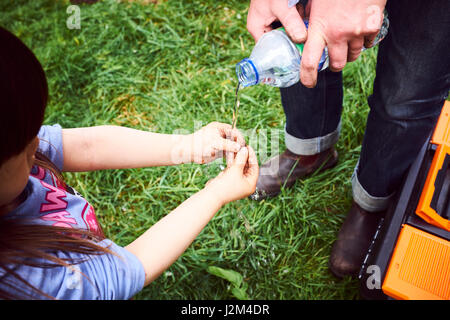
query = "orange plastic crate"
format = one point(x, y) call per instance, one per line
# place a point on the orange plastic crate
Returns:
point(441, 138)
point(419, 268)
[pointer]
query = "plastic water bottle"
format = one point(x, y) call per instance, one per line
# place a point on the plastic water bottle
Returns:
point(275, 59)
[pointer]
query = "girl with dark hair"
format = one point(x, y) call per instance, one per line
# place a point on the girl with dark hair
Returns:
point(51, 245)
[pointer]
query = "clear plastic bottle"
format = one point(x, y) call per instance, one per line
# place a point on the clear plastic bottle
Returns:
point(275, 59)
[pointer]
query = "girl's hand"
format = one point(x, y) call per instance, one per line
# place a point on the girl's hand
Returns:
point(239, 179)
point(211, 141)
point(157, 248)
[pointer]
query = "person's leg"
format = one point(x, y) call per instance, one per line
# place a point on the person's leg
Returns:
point(411, 85)
point(312, 129)
point(313, 115)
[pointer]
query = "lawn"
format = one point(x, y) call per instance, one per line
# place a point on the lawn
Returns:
point(169, 67)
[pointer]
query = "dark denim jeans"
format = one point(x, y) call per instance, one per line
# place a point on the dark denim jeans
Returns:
point(412, 82)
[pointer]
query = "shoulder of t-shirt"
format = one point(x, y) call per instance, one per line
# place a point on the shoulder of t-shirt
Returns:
point(116, 276)
point(51, 145)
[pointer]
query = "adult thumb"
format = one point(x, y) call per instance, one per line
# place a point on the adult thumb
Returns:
point(293, 23)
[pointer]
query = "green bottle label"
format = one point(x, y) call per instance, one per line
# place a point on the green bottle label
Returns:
point(298, 45)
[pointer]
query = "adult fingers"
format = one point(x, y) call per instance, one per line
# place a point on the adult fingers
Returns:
point(307, 11)
point(257, 23)
point(314, 46)
point(369, 40)
point(354, 48)
point(338, 52)
point(374, 22)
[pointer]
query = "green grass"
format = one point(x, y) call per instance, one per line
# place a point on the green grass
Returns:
point(169, 67)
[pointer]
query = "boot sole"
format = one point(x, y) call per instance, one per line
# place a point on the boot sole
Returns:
point(341, 275)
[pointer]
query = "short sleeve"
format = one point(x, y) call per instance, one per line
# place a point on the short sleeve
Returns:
point(117, 276)
point(51, 145)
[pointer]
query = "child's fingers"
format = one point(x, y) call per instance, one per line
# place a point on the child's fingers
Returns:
point(223, 128)
point(229, 156)
point(226, 145)
point(241, 159)
point(236, 135)
point(253, 168)
point(252, 159)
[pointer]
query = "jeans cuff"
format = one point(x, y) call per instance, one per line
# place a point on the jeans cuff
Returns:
point(308, 147)
point(364, 199)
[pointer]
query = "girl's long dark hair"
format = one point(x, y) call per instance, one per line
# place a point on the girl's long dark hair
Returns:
point(23, 99)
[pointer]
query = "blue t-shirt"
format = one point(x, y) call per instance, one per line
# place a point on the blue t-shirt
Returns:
point(48, 202)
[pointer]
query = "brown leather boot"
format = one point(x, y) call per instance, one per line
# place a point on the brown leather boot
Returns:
point(353, 241)
point(283, 170)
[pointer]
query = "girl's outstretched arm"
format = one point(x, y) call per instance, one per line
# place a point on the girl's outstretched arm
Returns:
point(114, 147)
point(164, 242)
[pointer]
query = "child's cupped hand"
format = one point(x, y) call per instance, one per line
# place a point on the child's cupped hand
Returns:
point(239, 179)
point(213, 141)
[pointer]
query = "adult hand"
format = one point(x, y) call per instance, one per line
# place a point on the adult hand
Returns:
point(344, 27)
point(212, 141)
point(262, 13)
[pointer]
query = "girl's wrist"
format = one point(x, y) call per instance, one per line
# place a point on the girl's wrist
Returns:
point(213, 190)
point(183, 149)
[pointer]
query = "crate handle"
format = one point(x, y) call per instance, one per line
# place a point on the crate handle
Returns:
point(436, 175)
